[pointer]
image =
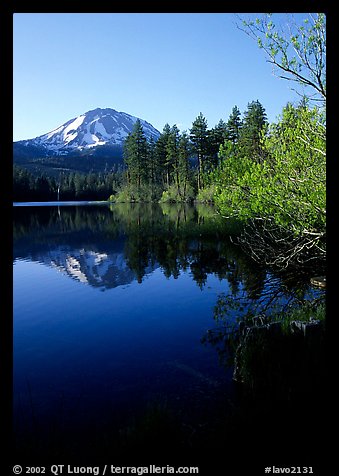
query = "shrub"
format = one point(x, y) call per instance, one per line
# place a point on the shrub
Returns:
point(172, 194)
point(206, 195)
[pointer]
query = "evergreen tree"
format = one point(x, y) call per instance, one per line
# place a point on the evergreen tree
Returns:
point(42, 188)
point(171, 160)
point(254, 123)
point(70, 187)
point(22, 184)
point(79, 183)
point(160, 154)
point(219, 131)
point(233, 126)
point(135, 155)
point(153, 168)
point(183, 164)
point(217, 136)
point(199, 140)
point(67, 186)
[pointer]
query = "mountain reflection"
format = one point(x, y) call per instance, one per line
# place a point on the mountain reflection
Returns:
point(106, 247)
point(90, 267)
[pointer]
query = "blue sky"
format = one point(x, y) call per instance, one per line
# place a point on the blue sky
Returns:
point(161, 67)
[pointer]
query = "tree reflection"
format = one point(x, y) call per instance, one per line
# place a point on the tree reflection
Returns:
point(174, 238)
point(266, 299)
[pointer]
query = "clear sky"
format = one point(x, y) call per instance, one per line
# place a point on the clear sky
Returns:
point(161, 67)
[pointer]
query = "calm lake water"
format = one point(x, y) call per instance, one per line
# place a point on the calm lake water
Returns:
point(112, 305)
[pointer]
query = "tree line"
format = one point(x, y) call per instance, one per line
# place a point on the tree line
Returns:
point(172, 168)
point(67, 186)
point(175, 167)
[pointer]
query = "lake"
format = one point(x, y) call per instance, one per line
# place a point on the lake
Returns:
point(112, 306)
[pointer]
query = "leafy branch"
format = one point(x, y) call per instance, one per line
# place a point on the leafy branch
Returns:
point(297, 51)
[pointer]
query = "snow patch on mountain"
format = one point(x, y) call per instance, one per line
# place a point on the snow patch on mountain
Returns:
point(92, 129)
point(73, 126)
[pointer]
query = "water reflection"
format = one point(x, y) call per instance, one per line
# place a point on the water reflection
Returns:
point(88, 361)
point(108, 247)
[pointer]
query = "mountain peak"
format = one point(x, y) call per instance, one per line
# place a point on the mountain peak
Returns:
point(89, 130)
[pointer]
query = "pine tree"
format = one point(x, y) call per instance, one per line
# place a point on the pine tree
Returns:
point(216, 137)
point(199, 140)
point(160, 154)
point(135, 155)
point(183, 163)
point(171, 161)
point(152, 166)
point(233, 126)
point(254, 123)
point(42, 188)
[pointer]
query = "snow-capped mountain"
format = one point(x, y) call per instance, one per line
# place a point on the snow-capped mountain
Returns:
point(99, 127)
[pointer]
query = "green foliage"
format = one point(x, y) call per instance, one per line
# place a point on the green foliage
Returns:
point(171, 154)
point(297, 169)
point(137, 193)
point(252, 128)
point(206, 194)
point(135, 155)
point(199, 140)
point(309, 310)
point(289, 185)
point(234, 125)
point(173, 195)
point(160, 154)
point(216, 137)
